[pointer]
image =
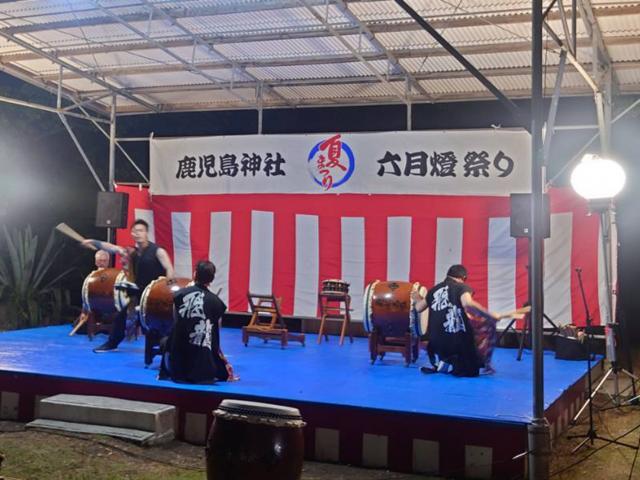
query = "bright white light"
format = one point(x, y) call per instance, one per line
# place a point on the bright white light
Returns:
point(595, 178)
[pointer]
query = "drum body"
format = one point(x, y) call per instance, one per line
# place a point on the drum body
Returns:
point(335, 286)
point(251, 440)
point(98, 294)
point(156, 305)
point(389, 310)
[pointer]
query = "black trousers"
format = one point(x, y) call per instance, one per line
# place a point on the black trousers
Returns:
point(118, 327)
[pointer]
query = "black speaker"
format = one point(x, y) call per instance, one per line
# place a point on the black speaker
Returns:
point(112, 209)
point(521, 215)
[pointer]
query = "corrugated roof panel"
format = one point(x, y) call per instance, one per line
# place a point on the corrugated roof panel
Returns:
point(284, 20)
point(337, 70)
point(453, 85)
point(172, 78)
point(457, 36)
point(629, 77)
point(134, 55)
point(298, 48)
point(82, 85)
point(438, 8)
point(620, 24)
point(337, 92)
point(43, 12)
point(624, 53)
point(207, 96)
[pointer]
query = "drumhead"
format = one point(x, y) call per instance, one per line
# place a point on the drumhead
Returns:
point(143, 304)
point(419, 321)
point(86, 306)
point(120, 297)
point(260, 413)
point(366, 312)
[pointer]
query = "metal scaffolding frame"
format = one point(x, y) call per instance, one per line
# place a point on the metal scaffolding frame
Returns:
point(360, 38)
point(153, 53)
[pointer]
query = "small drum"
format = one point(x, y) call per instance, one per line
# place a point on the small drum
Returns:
point(98, 294)
point(388, 308)
point(335, 286)
point(251, 440)
point(156, 305)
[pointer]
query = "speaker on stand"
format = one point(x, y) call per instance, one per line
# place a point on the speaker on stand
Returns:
point(520, 223)
point(111, 211)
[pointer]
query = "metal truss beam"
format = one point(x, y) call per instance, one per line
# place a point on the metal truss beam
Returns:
point(571, 57)
point(402, 53)
point(48, 87)
point(585, 147)
point(364, 30)
point(200, 42)
point(565, 27)
point(176, 11)
point(81, 150)
point(593, 29)
point(361, 79)
point(143, 35)
point(551, 117)
point(117, 144)
point(511, 107)
point(355, 52)
point(344, 29)
point(43, 54)
point(320, 102)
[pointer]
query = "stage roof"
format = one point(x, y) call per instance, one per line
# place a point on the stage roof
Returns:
point(203, 54)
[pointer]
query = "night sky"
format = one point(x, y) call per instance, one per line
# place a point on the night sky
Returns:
point(43, 179)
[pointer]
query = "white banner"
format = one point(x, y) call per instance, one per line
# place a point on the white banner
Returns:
point(456, 162)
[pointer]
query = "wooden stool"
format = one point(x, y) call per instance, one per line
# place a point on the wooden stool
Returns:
point(271, 328)
point(332, 308)
point(96, 324)
point(408, 346)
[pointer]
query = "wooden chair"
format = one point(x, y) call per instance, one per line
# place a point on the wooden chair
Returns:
point(96, 324)
point(335, 306)
point(269, 326)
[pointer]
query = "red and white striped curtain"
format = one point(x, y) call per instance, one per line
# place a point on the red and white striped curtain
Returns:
point(288, 243)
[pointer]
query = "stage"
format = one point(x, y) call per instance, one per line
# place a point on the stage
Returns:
point(384, 415)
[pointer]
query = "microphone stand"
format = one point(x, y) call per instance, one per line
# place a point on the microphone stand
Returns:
point(591, 434)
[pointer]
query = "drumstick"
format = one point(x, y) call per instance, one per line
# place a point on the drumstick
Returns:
point(71, 233)
point(518, 313)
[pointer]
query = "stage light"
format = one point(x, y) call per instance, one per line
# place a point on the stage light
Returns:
point(596, 178)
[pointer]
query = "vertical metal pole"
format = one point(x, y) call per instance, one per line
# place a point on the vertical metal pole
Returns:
point(112, 159)
point(259, 102)
point(407, 91)
point(112, 145)
point(574, 27)
point(539, 441)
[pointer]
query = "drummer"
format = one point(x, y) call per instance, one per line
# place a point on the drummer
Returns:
point(148, 262)
point(192, 352)
point(102, 259)
point(449, 333)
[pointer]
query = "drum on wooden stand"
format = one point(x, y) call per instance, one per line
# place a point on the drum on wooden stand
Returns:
point(391, 319)
point(156, 305)
point(334, 286)
point(101, 300)
point(98, 294)
point(251, 440)
point(156, 313)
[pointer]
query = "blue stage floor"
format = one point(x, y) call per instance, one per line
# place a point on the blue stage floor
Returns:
point(323, 374)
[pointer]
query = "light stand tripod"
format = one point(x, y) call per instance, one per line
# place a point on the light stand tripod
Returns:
point(591, 434)
point(527, 325)
point(607, 225)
